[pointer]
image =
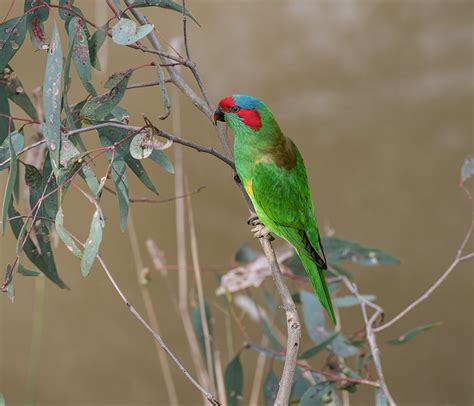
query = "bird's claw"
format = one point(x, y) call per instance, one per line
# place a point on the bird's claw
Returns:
point(260, 231)
point(253, 220)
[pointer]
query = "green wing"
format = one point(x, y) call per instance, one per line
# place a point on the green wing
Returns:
point(284, 205)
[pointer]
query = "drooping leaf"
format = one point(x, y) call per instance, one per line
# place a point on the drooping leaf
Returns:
point(339, 250)
point(95, 43)
point(410, 335)
point(348, 301)
point(167, 4)
point(245, 253)
point(126, 32)
point(109, 136)
point(44, 261)
point(164, 93)
point(6, 126)
point(64, 235)
point(270, 388)
point(467, 168)
point(68, 10)
point(80, 53)
point(18, 142)
point(234, 381)
point(16, 93)
point(26, 272)
point(99, 107)
point(12, 35)
point(52, 98)
point(198, 327)
point(317, 394)
point(35, 20)
point(8, 194)
point(161, 159)
point(318, 348)
point(313, 314)
point(120, 178)
point(380, 398)
point(91, 247)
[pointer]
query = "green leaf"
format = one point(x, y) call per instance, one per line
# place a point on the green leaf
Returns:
point(6, 126)
point(18, 142)
point(80, 54)
point(8, 195)
point(270, 388)
point(245, 254)
point(52, 98)
point(65, 236)
point(91, 247)
point(234, 381)
point(339, 250)
point(35, 21)
point(167, 4)
point(300, 386)
point(139, 147)
point(410, 335)
point(198, 327)
point(318, 348)
point(126, 32)
point(99, 107)
point(161, 159)
point(44, 261)
point(315, 394)
point(313, 314)
point(120, 178)
point(16, 93)
point(95, 43)
point(109, 136)
point(269, 301)
point(380, 398)
point(26, 272)
point(348, 301)
point(164, 93)
point(2, 399)
point(68, 10)
point(467, 168)
point(12, 35)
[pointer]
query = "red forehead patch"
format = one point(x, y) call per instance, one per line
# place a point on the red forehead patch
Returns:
point(250, 118)
point(226, 103)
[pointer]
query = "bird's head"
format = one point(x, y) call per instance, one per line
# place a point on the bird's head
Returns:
point(242, 111)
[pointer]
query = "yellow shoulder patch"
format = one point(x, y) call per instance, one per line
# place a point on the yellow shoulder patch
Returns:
point(248, 186)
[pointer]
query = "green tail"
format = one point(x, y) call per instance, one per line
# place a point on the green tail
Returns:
point(317, 278)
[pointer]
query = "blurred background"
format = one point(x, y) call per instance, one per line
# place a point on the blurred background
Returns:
point(378, 95)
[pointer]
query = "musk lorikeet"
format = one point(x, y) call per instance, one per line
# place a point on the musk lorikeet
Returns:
point(272, 171)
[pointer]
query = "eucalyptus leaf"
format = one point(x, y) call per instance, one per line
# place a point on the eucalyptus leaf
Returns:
point(35, 20)
point(270, 388)
point(245, 254)
point(16, 93)
point(91, 247)
point(198, 327)
point(18, 142)
point(164, 93)
point(12, 35)
point(467, 168)
point(380, 398)
point(410, 335)
point(161, 159)
point(120, 178)
point(126, 32)
point(8, 194)
point(64, 235)
point(26, 272)
point(139, 148)
point(52, 98)
point(318, 348)
point(348, 301)
point(234, 381)
point(167, 4)
point(315, 394)
point(95, 43)
point(6, 126)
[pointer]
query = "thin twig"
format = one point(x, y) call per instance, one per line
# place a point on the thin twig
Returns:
point(149, 200)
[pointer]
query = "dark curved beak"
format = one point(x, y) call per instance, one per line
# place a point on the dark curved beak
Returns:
point(219, 115)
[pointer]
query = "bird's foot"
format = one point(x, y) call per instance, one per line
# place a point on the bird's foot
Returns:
point(259, 230)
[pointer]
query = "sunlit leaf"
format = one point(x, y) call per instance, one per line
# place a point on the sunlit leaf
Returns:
point(168, 4)
point(270, 388)
point(26, 272)
point(234, 381)
point(467, 168)
point(80, 53)
point(127, 32)
point(95, 43)
point(18, 142)
point(120, 178)
point(318, 348)
point(99, 107)
point(16, 93)
point(380, 398)
point(317, 394)
point(52, 98)
point(245, 253)
point(64, 235)
point(44, 261)
point(348, 301)
point(35, 20)
point(8, 194)
point(12, 35)
point(410, 335)
point(91, 247)
point(339, 250)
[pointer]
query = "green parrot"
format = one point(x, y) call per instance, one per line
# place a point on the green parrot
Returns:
point(272, 172)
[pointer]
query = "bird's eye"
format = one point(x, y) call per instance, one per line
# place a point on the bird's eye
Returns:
point(234, 109)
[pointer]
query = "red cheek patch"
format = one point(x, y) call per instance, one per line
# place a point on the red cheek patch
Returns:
point(250, 118)
point(226, 103)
